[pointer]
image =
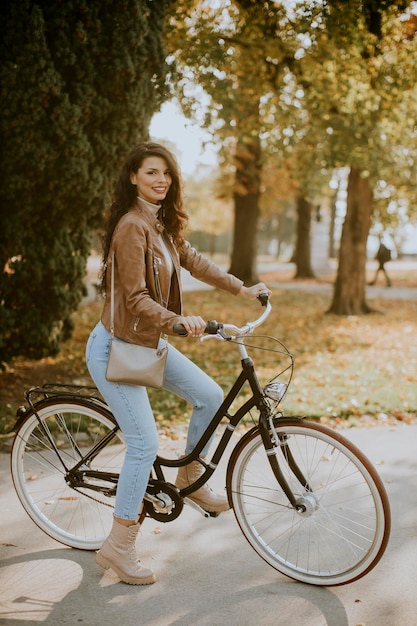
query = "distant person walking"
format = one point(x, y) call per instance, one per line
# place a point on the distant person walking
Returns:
point(383, 255)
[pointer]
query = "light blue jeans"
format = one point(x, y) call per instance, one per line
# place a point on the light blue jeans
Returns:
point(131, 408)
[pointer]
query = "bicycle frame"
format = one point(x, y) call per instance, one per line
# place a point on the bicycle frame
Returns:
point(247, 375)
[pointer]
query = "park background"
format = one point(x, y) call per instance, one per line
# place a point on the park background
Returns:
point(294, 124)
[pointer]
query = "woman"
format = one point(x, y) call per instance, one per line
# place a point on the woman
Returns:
point(146, 224)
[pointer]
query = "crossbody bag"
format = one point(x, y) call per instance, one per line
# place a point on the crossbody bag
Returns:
point(131, 363)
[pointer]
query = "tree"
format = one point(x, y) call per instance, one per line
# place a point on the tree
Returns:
point(347, 99)
point(302, 253)
point(349, 294)
point(241, 53)
point(246, 195)
point(80, 82)
point(220, 50)
point(333, 84)
point(371, 133)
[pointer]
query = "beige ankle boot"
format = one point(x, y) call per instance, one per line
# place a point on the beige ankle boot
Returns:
point(118, 552)
point(205, 496)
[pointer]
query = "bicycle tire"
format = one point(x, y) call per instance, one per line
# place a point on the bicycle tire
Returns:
point(345, 529)
point(79, 518)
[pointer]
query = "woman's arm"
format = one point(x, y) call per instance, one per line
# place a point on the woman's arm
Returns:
point(205, 270)
point(208, 272)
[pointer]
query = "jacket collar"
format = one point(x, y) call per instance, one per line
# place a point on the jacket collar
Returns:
point(148, 215)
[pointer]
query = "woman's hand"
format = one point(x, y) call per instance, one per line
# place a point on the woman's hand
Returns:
point(193, 324)
point(254, 291)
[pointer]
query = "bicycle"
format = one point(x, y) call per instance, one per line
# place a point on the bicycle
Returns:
point(307, 500)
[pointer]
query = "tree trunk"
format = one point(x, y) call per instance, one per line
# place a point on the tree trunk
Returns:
point(302, 254)
point(349, 291)
point(332, 247)
point(246, 200)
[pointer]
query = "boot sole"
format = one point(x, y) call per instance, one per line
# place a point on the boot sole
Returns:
point(129, 580)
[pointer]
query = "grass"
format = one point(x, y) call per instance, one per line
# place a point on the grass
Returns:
point(346, 368)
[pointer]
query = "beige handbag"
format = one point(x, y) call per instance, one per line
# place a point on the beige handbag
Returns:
point(131, 363)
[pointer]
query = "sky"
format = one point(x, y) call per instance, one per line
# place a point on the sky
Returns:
point(170, 124)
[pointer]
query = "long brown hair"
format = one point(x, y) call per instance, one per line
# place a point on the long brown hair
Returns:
point(172, 213)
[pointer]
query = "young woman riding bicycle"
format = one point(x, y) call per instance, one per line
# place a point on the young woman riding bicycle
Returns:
point(147, 222)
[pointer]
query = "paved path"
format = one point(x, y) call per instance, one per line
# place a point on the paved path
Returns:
point(192, 284)
point(393, 293)
point(372, 292)
point(207, 573)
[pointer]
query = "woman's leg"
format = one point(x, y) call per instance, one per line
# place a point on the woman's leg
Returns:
point(130, 406)
point(188, 381)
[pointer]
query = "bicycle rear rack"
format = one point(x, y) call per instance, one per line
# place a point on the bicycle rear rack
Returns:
point(35, 395)
point(51, 390)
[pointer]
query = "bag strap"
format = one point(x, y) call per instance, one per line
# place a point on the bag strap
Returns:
point(157, 287)
point(112, 297)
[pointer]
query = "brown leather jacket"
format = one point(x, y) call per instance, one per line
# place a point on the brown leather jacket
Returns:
point(138, 316)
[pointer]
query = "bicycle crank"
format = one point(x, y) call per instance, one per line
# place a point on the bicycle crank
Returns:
point(162, 501)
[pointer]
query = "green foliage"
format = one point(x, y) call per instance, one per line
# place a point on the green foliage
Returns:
point(322, 85)
point(361, 82)
point(334, 83)
point(80, 83)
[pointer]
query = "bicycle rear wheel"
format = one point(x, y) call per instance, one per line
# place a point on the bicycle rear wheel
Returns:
point(344, 528)
point(80, 517)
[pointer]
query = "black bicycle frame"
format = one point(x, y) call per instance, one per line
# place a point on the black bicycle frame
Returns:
point(247, 375)
point(75, 475)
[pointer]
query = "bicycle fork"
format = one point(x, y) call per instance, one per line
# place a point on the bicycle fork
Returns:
point(272, 442)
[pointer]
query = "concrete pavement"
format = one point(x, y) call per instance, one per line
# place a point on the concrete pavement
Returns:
point(189, 283)
point(207, 573)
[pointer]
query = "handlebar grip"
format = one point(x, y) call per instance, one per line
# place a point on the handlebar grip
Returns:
point(211, 328)
point(179, 329)
point(263, 298)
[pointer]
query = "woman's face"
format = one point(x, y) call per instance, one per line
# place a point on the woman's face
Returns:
point(153, 179)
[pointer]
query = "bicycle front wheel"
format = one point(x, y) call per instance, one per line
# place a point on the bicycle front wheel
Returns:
point(80, 515)
point(341, 526)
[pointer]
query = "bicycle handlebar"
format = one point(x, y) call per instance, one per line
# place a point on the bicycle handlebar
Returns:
point(212, 327)
point(219, 329)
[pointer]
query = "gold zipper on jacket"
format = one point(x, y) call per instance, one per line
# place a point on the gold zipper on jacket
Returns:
point(157, 261)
